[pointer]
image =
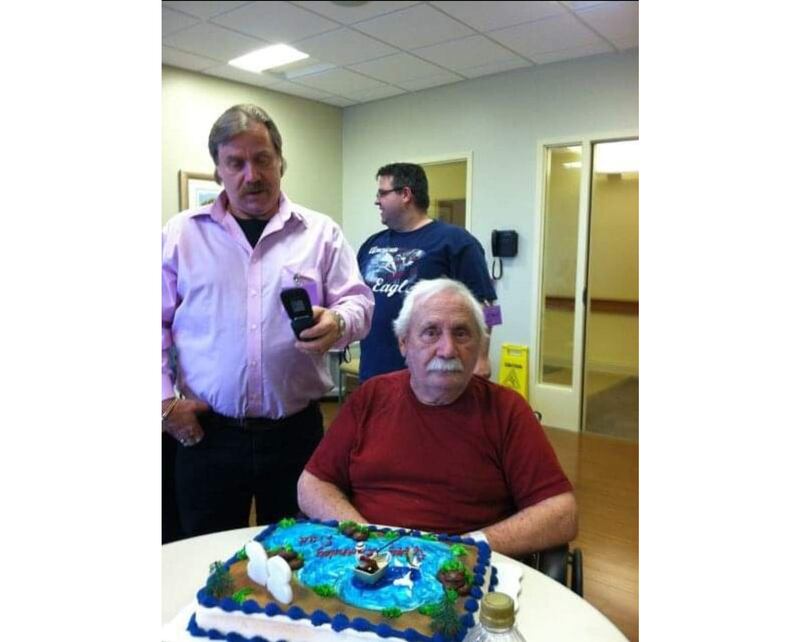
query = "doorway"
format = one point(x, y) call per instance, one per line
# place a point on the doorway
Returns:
point(611, 371)
point(586, 374)
point(448, 184)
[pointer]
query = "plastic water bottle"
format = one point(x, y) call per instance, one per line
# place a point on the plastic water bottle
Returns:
point(496, 623)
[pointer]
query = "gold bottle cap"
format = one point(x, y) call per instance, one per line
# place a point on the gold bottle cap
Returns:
point(497, 611)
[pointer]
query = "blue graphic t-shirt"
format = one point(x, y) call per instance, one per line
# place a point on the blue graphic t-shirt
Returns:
point(391, 262)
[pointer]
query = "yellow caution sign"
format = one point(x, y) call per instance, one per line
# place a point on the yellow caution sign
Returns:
point(514, 368)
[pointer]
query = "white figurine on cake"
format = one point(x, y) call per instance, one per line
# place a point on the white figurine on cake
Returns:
point(272, 573)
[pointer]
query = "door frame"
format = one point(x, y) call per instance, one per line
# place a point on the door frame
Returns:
point(566, 406)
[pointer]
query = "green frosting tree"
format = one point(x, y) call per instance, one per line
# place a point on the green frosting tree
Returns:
point(241, 595)
point(220, 582)
point(445, 619)
point(458, 550)
point(324, 590)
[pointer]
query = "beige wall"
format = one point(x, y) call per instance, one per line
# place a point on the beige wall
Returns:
point(614, 241)
point(312, 137)
point(612, 340)
point(446, 181)
point(612, 343)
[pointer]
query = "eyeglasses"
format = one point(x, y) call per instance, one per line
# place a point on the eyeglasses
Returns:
point(383, 192)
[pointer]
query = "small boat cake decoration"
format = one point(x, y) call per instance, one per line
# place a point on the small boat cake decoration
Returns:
point(372, 566)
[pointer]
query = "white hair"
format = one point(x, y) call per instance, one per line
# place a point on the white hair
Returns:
point(424, 290)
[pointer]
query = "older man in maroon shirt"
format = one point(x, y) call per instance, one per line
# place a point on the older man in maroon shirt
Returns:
point(435, 448)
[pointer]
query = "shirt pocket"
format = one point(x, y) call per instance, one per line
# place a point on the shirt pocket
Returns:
point(306, 278)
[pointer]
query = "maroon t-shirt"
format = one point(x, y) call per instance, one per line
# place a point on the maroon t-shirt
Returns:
point(448, 469)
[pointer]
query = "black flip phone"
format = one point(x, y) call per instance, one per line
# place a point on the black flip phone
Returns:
point(298, 307)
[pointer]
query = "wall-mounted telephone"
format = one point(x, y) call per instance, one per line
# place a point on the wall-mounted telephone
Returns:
point(504, 244)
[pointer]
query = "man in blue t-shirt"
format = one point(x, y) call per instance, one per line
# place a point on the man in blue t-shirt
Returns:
point(413, 248)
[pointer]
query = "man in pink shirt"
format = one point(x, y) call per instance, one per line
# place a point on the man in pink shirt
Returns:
point(245, 415)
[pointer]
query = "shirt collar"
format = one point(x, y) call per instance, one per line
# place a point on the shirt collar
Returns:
point(218, 210)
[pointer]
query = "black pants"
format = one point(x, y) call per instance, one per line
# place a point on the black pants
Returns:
point(170, 522)
point(216, 479)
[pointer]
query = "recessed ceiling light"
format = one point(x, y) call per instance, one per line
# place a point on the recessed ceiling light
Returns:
point(267, 58)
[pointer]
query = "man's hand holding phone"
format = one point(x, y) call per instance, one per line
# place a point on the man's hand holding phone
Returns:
point(322, 335)
point(316, 328)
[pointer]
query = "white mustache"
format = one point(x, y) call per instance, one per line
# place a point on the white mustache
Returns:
point(438, 364)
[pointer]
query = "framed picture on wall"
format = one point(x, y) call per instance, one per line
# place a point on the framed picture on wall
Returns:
point(196, 189)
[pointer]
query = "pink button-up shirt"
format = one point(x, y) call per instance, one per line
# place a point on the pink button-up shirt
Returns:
point(221, 308)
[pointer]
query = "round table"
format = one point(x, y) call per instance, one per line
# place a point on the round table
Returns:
point(548, 611)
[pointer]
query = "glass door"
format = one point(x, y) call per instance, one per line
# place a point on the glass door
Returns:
point(558, 380)
point(586, 360)
point(611, 372)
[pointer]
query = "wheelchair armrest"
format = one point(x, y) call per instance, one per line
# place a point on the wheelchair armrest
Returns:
point(553, 562)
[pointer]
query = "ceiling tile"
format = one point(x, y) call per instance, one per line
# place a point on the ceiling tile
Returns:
point(375, 94)
point(306, 67)
point(577, 6)
point(399, 67)
point(486, 16)
point(576, 52)
point(214, 42)
point(433, 81)
point(344, 46)
point(616, 21)
point(421, 26)
point(275, 22)
point(467, 52)
point(172, 21)
point(203, 10)
point(369, 51)
point(339, 81)
point(494, 68)
point(338, 101)
point(544, 36)
point(349, 15)
point(293, 88)
point(626, 43)
point(263, 79)
point(185, 60)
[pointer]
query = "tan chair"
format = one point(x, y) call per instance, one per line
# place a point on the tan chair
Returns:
point(347, 369)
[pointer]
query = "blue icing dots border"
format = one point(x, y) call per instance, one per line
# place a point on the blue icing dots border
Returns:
point(361, 624)
point(341, 622)
point(319, 617)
